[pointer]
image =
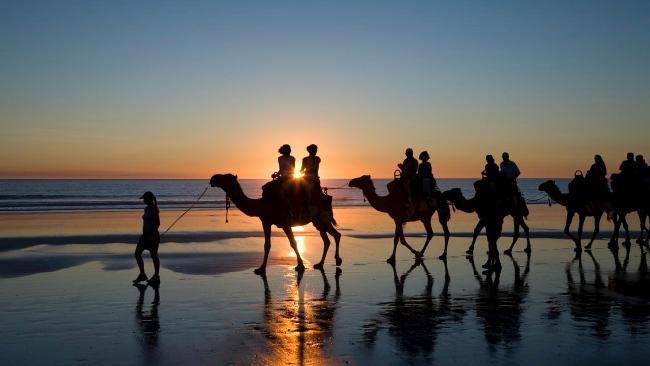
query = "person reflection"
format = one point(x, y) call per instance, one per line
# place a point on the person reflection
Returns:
point(500, 310)
point(148, 321)
point(298, 328)
point(413, 322)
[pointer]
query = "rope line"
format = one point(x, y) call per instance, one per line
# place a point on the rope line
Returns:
point(186, 211)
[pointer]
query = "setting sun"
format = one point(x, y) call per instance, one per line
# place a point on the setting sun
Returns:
point(297, 173)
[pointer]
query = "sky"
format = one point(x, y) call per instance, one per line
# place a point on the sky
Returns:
point(158, 89)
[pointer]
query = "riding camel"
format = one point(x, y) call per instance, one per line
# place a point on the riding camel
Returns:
point(491, 211)
point(593, 206)
point(421, 209)
point(270, 213)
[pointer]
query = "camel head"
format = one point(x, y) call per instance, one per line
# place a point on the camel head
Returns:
point(362, 182)
point(223, 181)
point(453, 194)
point(547, 186)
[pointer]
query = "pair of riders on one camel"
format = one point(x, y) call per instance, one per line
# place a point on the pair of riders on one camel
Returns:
point(416, 179)
point(297, 195)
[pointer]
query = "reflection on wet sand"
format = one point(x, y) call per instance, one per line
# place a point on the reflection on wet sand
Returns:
point(148, 323)
point(501, 310)
point(635, 288)
point(414, 321)
point(298, 329)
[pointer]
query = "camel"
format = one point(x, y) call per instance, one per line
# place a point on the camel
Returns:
point(393, 205)
point(491, 213)
point(625, 201)
point(592, 207)
point(269, 214)
point(519, 214)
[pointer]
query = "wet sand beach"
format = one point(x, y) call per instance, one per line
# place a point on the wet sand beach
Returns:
point(67, 296)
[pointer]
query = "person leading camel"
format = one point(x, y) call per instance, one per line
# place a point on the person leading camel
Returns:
point(150, 238)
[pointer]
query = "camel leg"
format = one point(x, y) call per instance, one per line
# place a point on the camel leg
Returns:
point(626, 228)
point(581, 224)
point(447, 234)
point(402, 240)
point(567, 231)
point(391, 259)
point(326, 246)
point(613, 241)
point(337, 239)
point(597, 218)
point(292, 241)
point(477, 231)
point(515, 235)
point(267, 248)
point(639, 240)
point(429, 230)
point(524, 226)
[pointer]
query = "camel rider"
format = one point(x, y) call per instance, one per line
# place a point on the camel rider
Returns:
point(491, 170)
point(642, 171)
point(509, 171)
point(286, 162)
point(425, 175)
point(597, 176)
point(408, 172)
point(309, 169)
point(628, 166)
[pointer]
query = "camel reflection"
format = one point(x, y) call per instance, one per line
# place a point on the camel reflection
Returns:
point(635, 288)
point(500, 310)
point(299, 328)
point(148, 322)
point(414, 321)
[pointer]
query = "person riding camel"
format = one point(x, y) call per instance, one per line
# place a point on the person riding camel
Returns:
point(643, 172)
point(286, 162)
point(408, 172)
point(491, 170)
point(509, 169)
point(309, 170)
point(425, 175)
point(628, 166)
point(597, 176)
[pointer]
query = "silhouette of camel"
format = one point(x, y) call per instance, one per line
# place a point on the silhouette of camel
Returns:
point(625, 200)
point(269, 214)
point(594, 207)
point(394, 206)
point(519, 212)
point(491, 213)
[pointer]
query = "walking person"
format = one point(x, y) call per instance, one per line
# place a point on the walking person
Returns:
point(150, 238)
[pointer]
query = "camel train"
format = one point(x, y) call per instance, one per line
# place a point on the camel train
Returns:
point(287, 202)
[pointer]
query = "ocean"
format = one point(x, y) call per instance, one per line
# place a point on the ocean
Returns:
point(123, 194)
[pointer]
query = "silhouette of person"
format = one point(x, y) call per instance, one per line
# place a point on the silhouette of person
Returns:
point(309, 169)
point(628, 166)
point(491, 170)
point(425, 175)
point(150, 238)
point(509, 169)
point(597, 174)
point(643, 172)
point(286, 162)
point(408, 172)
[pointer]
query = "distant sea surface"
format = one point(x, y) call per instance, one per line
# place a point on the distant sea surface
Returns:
point(17, 195)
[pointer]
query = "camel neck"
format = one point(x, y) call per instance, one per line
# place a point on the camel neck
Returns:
point(379, 203)
point(248, 206)
point(557, 195)
point(465, 205)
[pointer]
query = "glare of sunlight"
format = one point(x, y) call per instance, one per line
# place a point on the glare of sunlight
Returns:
point(300, 241)
point(297, 173)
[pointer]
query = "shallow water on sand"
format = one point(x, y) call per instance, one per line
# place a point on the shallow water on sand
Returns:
point(68, 303)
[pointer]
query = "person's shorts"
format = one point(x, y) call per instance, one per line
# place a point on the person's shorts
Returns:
point(149, 242)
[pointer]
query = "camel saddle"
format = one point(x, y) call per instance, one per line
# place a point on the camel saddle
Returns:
point(299, 197)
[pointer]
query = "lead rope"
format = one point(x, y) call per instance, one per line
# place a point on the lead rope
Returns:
point(186, 211)
point(227, 206)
